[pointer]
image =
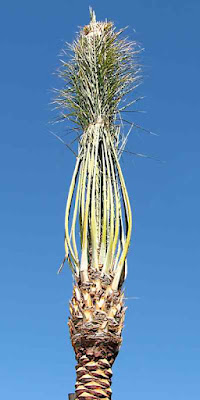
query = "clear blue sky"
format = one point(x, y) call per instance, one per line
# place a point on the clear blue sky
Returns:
point(160, 356)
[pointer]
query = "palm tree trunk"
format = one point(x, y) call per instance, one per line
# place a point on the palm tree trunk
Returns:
point(96, 322)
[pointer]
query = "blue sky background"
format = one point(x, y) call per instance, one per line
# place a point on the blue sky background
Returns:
point(160, 356)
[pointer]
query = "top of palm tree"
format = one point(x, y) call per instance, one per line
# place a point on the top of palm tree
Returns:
point(100, 73)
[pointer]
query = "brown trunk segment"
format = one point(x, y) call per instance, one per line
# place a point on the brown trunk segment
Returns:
point(96, 322)
point(93, 377)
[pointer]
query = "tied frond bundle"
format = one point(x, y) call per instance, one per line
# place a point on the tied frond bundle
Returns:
point(103, 69)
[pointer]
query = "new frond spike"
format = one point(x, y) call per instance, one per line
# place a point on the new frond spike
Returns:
point(92, 15)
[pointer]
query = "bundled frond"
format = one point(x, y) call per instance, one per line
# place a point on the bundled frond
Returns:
point(102, 69)
point(101, 72)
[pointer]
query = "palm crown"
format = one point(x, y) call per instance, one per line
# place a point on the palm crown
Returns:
point(101, 71)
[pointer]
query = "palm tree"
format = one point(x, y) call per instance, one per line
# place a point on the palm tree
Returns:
point(100, 73)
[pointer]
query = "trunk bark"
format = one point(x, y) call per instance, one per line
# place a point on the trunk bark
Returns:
point(96, 322)
point(94, 372)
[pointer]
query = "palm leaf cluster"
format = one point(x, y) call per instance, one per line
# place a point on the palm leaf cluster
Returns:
point(100, 74)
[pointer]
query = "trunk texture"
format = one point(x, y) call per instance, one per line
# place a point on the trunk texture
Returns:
point(96, 322)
